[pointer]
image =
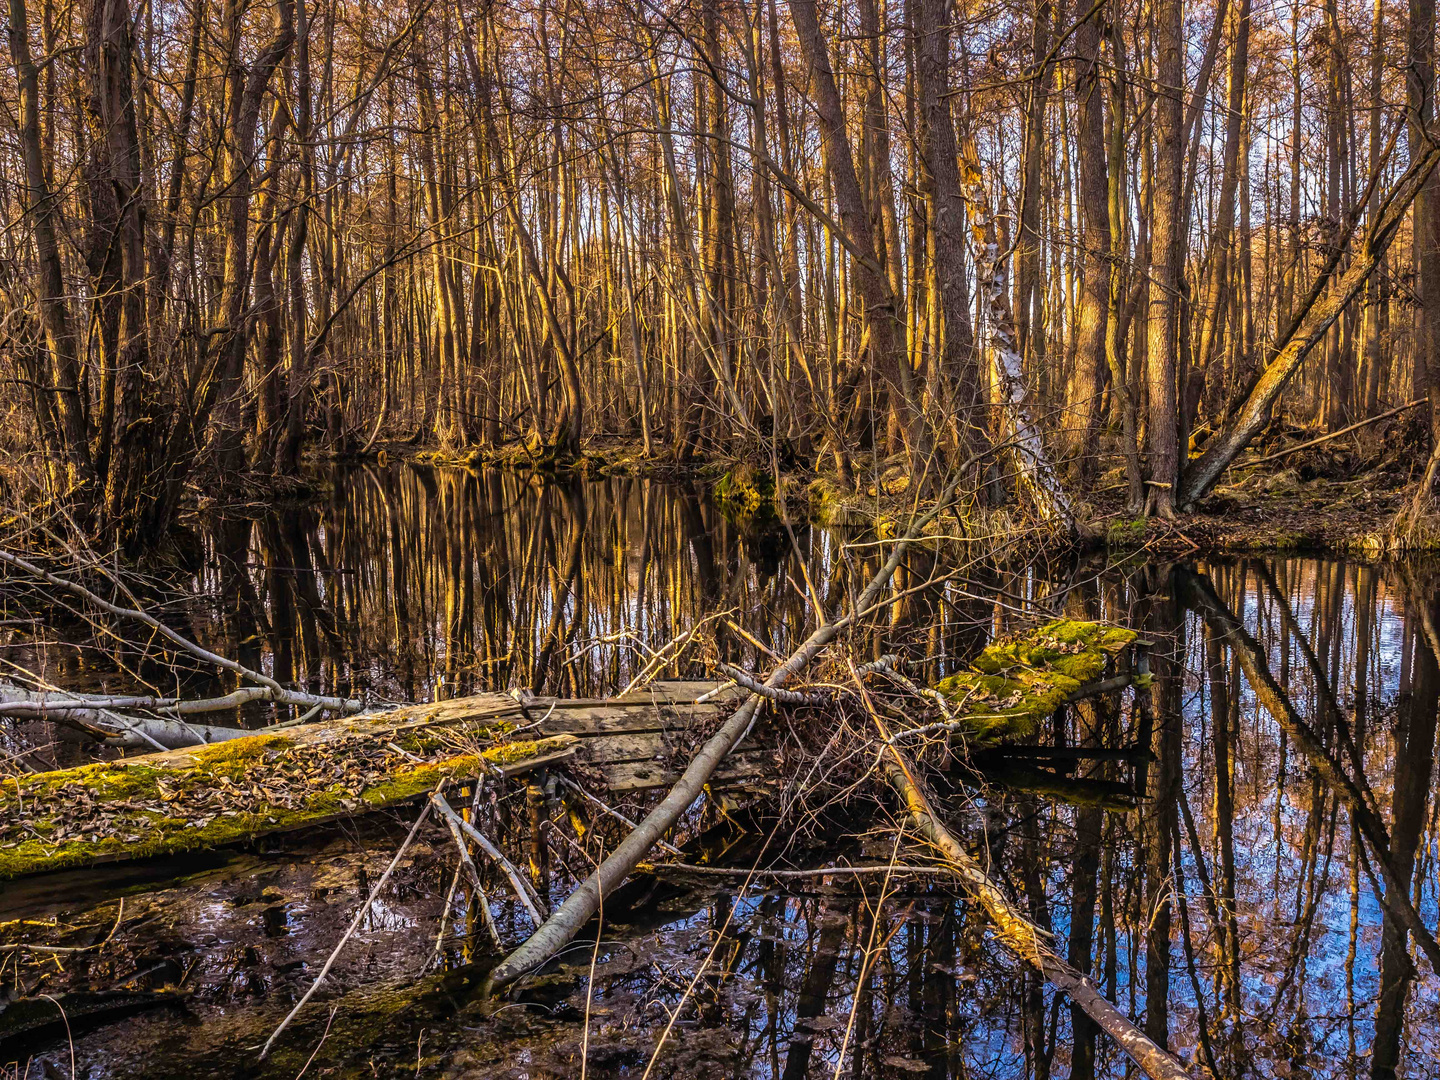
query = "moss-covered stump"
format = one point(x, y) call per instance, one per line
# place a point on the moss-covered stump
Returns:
point(746, 491)
point(204, 797)
point(1014, 685)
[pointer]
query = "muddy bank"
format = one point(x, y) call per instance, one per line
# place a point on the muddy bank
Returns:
point(1326, 499)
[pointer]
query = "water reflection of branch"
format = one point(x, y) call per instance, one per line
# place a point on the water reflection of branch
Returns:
point(1291, 626)
point(1394, 897)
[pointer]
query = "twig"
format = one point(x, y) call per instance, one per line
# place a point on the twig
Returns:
point(716, 691)
point(452, 821)
point(445, 916)
point(276, 692)
point(532, 903)
point(59, 949)
point(1326, 438)
point(869, 957)
point(817, 871)
point(669, 652)
point(753, 640)
point(323, 1036)
point(590, 985)
point(354, 925)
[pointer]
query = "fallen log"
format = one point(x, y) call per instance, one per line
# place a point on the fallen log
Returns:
point(1025, 940)
point(297, 777)
point(165, 804)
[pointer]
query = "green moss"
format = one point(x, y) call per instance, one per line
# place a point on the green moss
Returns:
point(510, 753)
point(160, 834)
point(1125, 533)
point(825, 502)
point(1014, 685)
point(746, 490)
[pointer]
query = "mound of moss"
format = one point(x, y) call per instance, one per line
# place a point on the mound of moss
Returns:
point(746, 491)
point(1016, 684)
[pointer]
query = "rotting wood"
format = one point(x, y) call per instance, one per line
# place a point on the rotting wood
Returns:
point(295, 777)
point(275, 781)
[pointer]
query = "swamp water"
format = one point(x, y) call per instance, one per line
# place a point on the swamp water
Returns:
point(1238, 906)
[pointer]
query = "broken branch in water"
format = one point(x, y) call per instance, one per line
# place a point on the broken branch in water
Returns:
point(467, 864)
point(1016, 932)
point(264, 689)
point(528, 899)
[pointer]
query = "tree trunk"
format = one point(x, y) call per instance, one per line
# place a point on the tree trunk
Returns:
point(1082, 417)
point(1163, 369)
point(58, 395)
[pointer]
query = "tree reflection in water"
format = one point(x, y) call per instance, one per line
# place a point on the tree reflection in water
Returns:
point(1266, 910)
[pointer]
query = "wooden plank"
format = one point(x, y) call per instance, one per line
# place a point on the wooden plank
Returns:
point(615, 719)
point(742, 768)
point(678, 691)
point(538, 761)
point(611, 749)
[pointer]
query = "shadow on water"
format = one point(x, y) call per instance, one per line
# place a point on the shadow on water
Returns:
point(1266, 907)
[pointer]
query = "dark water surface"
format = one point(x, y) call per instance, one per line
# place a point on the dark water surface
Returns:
point(1246, 909)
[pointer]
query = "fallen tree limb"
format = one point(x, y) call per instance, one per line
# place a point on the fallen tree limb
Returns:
point(452, 822)
point(354, 925)
point(1312, 323)
point(1278, 454)
point(205, 797)
point(1016, 932)
point(297, 775)
point(567, 921)
point(661, 869)
point(95, 714)
point(266, 688)
point(755, 686)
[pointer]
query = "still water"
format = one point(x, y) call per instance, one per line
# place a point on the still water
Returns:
point(1250, 908)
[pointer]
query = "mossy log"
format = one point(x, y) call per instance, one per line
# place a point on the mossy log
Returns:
point(1016, 684)
point(278, 781)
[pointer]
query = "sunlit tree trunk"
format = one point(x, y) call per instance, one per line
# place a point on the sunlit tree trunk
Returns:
point(1163, 328)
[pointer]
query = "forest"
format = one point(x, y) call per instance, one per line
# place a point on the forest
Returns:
point(748, 538)
point(1046, 245)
